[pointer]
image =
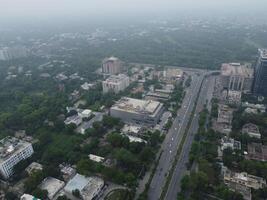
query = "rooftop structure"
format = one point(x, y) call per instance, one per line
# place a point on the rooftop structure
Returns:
point(131, 129)
point(252, 130)
point(157, 96)
point(230, 143)
point(259, 107)
point(75, 119)
point(235, 76)
point(33, 167)
point(67, 171)
point(116, 83)
point(12, 151)
point(171, 75)
point(137, 111)
point(261, 74)
point(111, 65)
point(257, 151)
point(89, 187)
point(52, 185)
point(96, 158)
point(236, 180)
point(28, 197)
point(234, 97)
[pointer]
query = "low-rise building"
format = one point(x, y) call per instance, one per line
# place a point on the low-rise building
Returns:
point(67, 171)
point(157, 96)
point(86, 113)
point(52, 185)
point(227, 142)
point(171, 74)
point(12, 151)
point(259, 108)
point(116, 84)
point(96, 158)
point(89, 187)
point(146, 112)
point(243, 180)
point(257, 151)
point(130, 129)
point(75, 119)
point(224, 120)
point(28, 197)
point(33, 167)
point(252, 130)
point(234, 97)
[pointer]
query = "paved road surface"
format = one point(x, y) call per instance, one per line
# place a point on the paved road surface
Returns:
point(180, 169)
point(174, 136)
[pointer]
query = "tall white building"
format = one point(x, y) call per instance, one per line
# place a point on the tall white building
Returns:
point(116, 83)
point(111, 65)
point(12, 151)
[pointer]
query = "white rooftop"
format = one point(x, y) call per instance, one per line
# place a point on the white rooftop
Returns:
point(137, 105)
point(52, 185)
point(10, 146)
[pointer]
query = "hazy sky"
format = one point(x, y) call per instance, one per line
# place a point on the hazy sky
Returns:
point(18, 9)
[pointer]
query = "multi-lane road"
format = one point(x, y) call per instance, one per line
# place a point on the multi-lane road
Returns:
point(174, 137)
point(205, 96)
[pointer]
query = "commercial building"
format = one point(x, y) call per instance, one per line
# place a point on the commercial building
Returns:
point(252, 130)
point(12, 151)
point(111, 65)
point(261, 74)
point(242, 182)
point(235, 76)
point(89, 187)
point(257, 151)
point(146, 112)
point(116, 83)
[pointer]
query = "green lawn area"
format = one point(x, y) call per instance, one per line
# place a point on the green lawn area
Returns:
point(119, 194)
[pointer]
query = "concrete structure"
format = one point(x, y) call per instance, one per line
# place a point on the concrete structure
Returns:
point(261, 74)
point(96, 158)
point(258, 108)
point(137, 111)
point(86, 113)
point(116, 83)
point(12, 151)
point(52, 185)
point(111, 65)
point(171, 75)
point(75, 119)
point(252, 130)
point(234, 97)
point(28, 197)
point(157, 96)
point(257, 151)
point(242, 180)
point(132, 130)
point(224, 120)
point(235, 76)
point(89, 187)
point(33, 167)
point(230, 143)
point(67, 171)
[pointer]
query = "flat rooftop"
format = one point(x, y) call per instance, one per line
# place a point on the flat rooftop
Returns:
point(10, 146)
point(116, 79)
point(111, 59)
point(52, 185)
point(136, 105)
point(236, 69)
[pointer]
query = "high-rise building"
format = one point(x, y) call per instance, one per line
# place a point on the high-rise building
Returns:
point(260, 83)
point(237, 77)
point(12, 151)
point(116, 83)
point(111, 65)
